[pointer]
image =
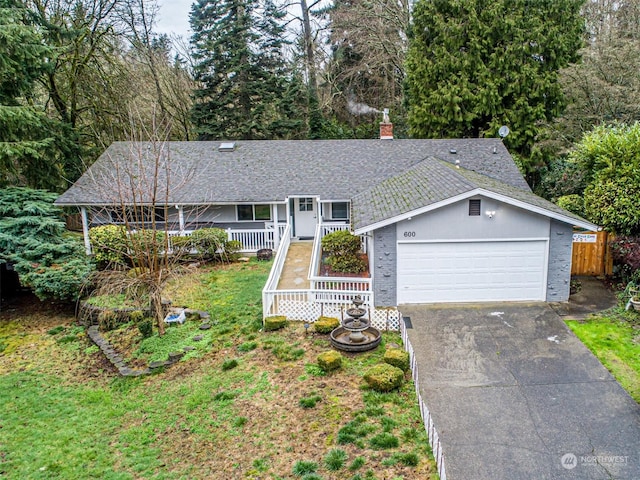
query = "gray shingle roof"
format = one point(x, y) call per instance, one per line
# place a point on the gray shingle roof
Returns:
point(271, 170)
point(428, 183)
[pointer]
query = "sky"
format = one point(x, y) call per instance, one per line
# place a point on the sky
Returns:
point(174, 17)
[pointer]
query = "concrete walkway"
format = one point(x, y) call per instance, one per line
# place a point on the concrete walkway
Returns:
point(592, 297)
point(296, 266)
point(515, 395)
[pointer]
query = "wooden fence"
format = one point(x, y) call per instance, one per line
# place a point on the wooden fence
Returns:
point(591, 254)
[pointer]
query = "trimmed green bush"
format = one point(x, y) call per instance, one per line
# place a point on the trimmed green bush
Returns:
point(329, 360)
point(274, 323)
point(109, 244)
point(384, 377)
point(326, 324)
point(398, 358)
point(343, 250)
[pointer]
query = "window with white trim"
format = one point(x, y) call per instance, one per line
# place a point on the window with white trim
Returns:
point(305, 205)
point(340, 211)
point(252, 213)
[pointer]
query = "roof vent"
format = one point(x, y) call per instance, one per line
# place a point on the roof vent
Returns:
point(227, 147)
point(453, 151)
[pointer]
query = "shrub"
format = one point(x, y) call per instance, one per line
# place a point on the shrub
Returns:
point(384, 377)
point(573, 203)
point(144, 324)
point(109, 244)
point(33, 237)
point(330, 360)
point(232, 250)
point(303, 467)
point(208, 242)
point(326, 324)
point(398, 358)
point(626, 255)
point(342, 248)
point(383, 441)
point(145, 327)
point(274, 323)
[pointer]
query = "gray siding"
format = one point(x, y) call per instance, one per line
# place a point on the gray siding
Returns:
point(559, 264)
point(452, 222)
point(384, 262)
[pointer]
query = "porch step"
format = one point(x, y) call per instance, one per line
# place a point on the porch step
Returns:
point(296, 266)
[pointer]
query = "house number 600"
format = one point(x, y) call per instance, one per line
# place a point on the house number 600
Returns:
point(409, 234)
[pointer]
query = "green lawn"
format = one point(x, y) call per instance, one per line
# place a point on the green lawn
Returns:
point(252, 405)
point(614, 337)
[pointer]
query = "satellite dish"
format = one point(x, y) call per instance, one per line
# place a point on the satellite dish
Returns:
point(504, 131)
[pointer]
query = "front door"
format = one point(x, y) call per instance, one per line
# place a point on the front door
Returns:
point(305, 216)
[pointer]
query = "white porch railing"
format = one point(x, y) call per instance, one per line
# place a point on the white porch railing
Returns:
point(333, 283)
point(278, 261)
point(328, 296)
point(252, 240)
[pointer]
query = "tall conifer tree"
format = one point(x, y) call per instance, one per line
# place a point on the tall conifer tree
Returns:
point(474, 65)
point(244, 78)
point(30, 143)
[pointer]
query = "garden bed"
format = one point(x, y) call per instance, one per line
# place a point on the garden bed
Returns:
point(326, 271)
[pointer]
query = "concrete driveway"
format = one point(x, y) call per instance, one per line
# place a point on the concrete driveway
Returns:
point(513, 394)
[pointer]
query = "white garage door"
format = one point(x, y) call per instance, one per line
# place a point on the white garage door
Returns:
point(471, 271)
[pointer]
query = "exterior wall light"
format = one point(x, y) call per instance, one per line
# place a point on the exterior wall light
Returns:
point(490, 213)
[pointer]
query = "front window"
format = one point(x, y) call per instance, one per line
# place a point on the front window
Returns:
point(340, 211)
point(262, 212)
point(250, 213)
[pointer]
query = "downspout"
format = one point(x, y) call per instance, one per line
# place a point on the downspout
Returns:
point(85, 230)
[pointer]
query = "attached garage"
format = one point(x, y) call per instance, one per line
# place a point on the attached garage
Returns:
point(480, 271)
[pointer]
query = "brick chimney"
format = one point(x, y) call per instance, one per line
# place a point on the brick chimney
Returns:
point(386, 127)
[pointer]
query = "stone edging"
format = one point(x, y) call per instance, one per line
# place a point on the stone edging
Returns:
point(118, 362)
point(113, 356)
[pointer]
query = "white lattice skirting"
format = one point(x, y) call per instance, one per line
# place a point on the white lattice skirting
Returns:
point(381, 318)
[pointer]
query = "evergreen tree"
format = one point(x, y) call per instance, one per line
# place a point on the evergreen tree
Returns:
point(32, 237)
point(31, 145)
point(245, 83)
point(474, 65)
